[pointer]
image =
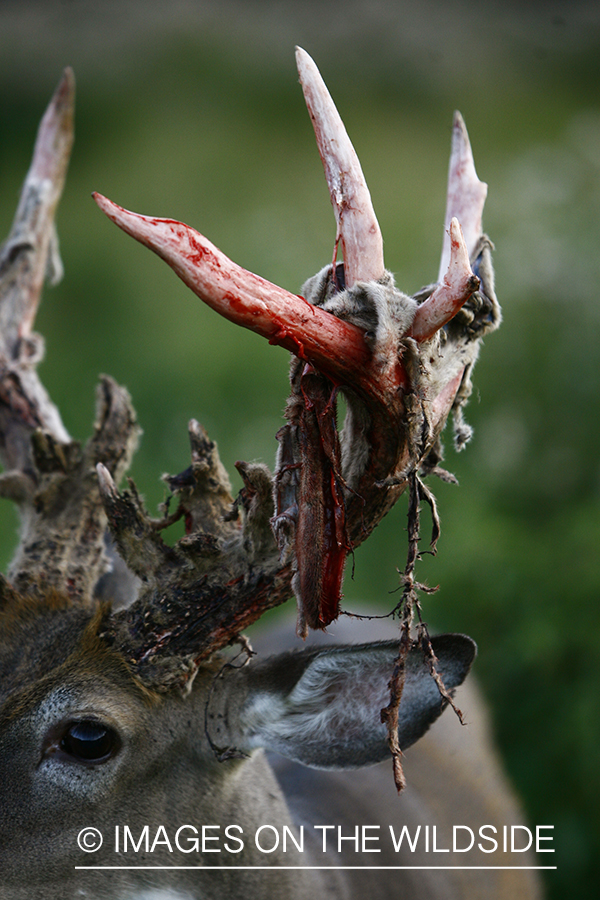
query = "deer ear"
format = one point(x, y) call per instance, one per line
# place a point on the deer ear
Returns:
point(322, 707)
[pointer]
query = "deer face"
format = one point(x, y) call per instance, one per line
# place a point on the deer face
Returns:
point(82, 744)
point(72, 719)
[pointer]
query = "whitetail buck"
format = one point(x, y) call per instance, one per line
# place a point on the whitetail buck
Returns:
point(130, 718)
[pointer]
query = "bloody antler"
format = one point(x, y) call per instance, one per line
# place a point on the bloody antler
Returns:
point(244, 298)
point(352, 331)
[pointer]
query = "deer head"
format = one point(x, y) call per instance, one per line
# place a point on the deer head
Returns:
point(89, 689)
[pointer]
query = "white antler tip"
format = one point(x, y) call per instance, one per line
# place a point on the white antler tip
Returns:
point(458, 266)
point(106, 482)
point(107, 206)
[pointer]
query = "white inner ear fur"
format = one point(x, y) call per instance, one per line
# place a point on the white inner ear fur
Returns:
point(330, 717)
point(338, 694)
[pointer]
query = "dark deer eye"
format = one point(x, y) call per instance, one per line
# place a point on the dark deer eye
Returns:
point(89, 741)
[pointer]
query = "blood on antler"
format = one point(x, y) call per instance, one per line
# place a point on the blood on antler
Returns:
point(403, 364)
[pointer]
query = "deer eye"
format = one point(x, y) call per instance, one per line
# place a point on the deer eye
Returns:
point(89, 741)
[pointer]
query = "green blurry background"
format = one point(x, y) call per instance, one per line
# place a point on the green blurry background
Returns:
point(193, 111)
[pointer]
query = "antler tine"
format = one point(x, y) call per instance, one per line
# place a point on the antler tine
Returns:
point(246, 299)
point(466, 194)
point(29, 253)
point(456, 287)
point(357, 226)
point(32, 239)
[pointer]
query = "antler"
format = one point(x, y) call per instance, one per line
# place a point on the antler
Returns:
point(403, 364)
point(47, 474)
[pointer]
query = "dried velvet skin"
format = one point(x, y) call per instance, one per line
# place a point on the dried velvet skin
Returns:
point(315, 519)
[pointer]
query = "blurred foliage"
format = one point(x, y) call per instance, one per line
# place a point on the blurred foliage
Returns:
point(207, 125)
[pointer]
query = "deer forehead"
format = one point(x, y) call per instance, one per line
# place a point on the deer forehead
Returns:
point(35, 719)
point(53, 667)
point(35, 640)
point(54, 670)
